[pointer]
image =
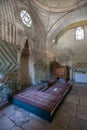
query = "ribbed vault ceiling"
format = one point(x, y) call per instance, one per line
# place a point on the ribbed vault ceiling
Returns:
point(59, 5)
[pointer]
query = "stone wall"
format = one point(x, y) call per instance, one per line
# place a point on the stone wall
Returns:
point(8, 69)
point(13, 31)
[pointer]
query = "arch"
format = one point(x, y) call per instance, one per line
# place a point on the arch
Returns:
point(58, 10)
point(68, 19)
point(24, 65)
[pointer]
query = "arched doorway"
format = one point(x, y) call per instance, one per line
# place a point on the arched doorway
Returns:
point(24, 65)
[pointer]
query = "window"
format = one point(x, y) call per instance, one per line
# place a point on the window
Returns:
point(26, 19)
point(79, 33)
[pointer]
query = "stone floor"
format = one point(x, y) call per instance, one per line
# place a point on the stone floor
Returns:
point(71, 114)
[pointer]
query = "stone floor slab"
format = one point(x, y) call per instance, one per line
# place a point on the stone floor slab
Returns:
point(70, 115)
point(61, 120)
point(82, 112)
point(68, 108)
point(20, 117)
point(16, 128)
point(77, 124)
point(6, 124)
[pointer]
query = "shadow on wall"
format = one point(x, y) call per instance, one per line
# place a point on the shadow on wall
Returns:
point(66, 56)
point(26, 66)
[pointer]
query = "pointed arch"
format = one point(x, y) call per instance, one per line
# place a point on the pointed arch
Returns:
point(66, 20)
point(24, 60)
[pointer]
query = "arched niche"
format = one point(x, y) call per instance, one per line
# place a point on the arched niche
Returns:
point(26, 66)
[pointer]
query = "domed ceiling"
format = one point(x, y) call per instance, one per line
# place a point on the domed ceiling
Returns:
point(59, 5)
